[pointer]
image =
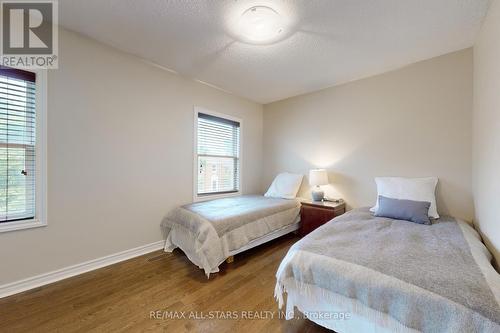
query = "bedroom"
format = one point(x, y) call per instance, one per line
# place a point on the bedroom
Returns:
point(359, 89)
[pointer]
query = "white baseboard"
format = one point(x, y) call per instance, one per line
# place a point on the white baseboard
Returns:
point(64, 273)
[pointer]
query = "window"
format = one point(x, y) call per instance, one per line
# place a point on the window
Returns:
point(19, 192)
point(217, 154)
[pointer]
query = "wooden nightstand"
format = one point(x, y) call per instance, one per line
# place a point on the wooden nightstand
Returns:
point(316, 213)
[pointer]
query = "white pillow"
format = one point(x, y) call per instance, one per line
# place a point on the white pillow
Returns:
point(285, 185)
point(418, 189)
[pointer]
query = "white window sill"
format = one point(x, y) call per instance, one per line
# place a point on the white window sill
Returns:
point(19, 225)
point(215, 196)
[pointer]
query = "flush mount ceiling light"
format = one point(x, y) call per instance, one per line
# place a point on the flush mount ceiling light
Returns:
point(260, 25)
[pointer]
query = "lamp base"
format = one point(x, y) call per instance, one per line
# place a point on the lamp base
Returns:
point(318, 195)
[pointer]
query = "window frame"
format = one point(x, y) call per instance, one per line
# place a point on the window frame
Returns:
point(40, 219)
point(204, 197)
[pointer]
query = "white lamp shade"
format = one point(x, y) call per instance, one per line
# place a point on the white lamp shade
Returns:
point(318, 177)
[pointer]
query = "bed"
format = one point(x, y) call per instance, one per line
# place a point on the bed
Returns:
point(212, 231)
point(361, 273)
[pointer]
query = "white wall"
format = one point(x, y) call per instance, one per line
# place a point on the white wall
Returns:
point(411, 122)
point(486, 146)
point(120, 145)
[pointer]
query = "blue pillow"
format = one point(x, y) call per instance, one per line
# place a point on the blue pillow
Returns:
point(409, 210)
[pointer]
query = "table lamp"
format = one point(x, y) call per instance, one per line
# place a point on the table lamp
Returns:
point(317, 178)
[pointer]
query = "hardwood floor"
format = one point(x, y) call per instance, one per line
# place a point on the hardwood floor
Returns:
point(126, 296)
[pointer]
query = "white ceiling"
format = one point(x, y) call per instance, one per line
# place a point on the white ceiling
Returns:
point(331, 42)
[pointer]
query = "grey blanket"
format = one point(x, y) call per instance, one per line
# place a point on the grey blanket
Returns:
point(231, 213)
point(208, 232)
point(425, 277)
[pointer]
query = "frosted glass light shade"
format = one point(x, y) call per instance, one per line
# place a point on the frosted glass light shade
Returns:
point(260, 24)
point(318, 177)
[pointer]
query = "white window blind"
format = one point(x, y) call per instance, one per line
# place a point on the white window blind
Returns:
point(17, 144)
point(218, 154)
